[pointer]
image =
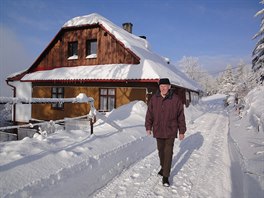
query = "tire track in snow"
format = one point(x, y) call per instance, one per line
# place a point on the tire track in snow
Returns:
point(191, 160)
point(213, 176)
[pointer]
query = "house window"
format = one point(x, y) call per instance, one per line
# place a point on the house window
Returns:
point(57, 92)
point(72, 50)
point(91, 48)
point(107, 99)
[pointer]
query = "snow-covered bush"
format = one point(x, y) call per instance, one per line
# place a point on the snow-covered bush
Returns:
point(231, 99)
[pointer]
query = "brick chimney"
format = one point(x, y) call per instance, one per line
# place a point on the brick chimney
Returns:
point(128, 27)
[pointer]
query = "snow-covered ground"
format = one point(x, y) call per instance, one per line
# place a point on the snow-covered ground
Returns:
point(221, 156)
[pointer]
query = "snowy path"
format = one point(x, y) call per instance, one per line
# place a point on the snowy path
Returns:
point(200, 165)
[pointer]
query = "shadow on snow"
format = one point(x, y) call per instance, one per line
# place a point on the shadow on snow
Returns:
point(187, 146)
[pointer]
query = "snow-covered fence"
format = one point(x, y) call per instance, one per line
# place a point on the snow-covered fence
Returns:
point(4, 136)
point(76, 123)
point(25, 132)
point(46, 127)
point(81, 98)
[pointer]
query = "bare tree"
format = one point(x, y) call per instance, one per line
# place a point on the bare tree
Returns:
point(191, 66)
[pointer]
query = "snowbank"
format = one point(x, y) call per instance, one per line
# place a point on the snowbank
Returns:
point(30, 166)
point(255, 107)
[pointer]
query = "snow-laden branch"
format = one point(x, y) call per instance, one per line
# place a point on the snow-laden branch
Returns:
point(259, 48)
point(261, 12)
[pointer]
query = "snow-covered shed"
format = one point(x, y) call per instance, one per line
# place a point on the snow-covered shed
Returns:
point(92, 55)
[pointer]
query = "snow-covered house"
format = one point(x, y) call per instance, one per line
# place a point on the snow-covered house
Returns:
point(92, 55)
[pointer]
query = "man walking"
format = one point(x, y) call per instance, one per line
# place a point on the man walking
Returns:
point(165, 118)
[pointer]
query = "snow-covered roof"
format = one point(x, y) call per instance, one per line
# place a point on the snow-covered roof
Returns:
point(151, 66)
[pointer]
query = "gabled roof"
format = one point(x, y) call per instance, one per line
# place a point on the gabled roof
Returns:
point(152, 66)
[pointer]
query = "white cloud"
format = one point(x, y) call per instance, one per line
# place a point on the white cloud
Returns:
point(13, 58)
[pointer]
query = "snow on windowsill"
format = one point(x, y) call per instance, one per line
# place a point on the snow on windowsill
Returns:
point(91, 56)
point(74, 57)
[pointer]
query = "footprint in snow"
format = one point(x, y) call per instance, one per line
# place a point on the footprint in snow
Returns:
point(259, 152)
point(135, 176)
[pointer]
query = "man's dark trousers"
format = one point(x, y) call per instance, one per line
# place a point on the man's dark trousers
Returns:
point(165, 148)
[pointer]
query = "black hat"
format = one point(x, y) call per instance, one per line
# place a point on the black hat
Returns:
point(165, 81)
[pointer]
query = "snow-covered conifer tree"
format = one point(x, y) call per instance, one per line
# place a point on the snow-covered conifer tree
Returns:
point(258, 52)
point(226, 81)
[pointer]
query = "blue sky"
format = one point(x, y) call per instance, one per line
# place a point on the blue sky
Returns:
point(218, 32)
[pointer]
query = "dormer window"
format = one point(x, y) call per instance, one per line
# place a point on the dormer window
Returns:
point(91, 48)
point(72, 50)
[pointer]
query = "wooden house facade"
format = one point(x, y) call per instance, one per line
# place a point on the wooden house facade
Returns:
point(89, 58)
